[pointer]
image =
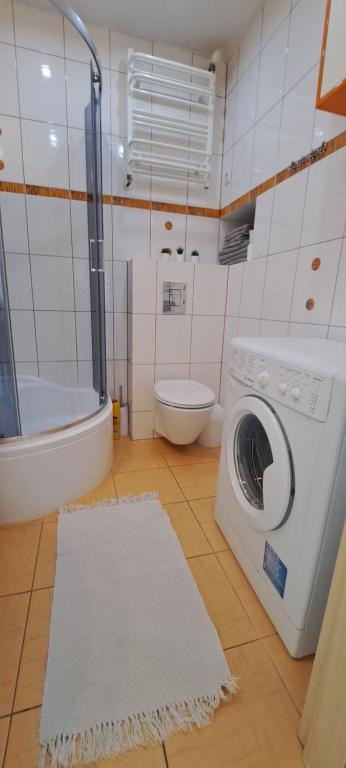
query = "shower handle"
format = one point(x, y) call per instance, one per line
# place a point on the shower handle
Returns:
point(96, 255)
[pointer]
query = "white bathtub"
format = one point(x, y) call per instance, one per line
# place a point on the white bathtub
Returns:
point(39, 472)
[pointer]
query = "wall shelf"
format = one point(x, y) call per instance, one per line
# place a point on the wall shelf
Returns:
point(170, 119)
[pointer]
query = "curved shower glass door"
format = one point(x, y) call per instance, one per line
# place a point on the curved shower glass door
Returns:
point(52, 280)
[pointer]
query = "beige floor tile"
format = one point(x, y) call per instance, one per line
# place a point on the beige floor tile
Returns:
point(198, 480)
point(18, 551)
point(13, 613)
point(295, 673)
point(190, 534)
point(35, 650)
point(4, 726)
point(45, 566)
point(256, 729)
point(131, 455)
point(106, 490)
point(24, 748)
point(227, 613)
point(159, 480)
point(246, 594)
point(177, 455)
point(204, 511)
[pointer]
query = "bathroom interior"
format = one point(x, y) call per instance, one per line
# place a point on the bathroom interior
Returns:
point(172, 332)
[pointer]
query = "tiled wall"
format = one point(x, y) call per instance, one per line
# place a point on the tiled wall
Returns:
point(271, 91)
point(44, 88)
point(164, 346)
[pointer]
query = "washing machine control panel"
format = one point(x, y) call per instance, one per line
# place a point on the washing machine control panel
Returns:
point(302, 390)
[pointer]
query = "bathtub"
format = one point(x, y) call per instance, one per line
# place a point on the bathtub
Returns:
point(65, 450)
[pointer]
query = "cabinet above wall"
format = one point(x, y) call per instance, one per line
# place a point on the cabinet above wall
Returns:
point(331, 89)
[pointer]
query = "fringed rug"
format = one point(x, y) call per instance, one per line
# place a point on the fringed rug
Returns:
point(133, 656)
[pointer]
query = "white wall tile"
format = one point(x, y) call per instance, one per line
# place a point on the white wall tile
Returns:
point(23, 335)
point(131, 229)
point(140, 185)
point(173, 338)
point(120, 336)
point(242, 165)
point(248, 326)
point(325, 209)
point(118, 104)
point(305, 39)
point(141, 425)
point(8, 81)
point(317, 284)
point(6, 29)
point(263, 215)
point(19, 280)
point(273, 328)
point(14, 227)
point(207, 339)
point(235, 279)
point(278, 287)
point(202, 235)
point(45, 154)
point(299, 330)
point(230, 332)
point(274, 13)
point(120, 280)
point(141, 331)
point(108, 275)
point(59, 373)
point(339, 304)
point(232, 70)
point(265, 147)
point(287, 213)
point(76, 159)
point(52, 283)
point(119, 49)
point(11, 149)
point(250, 44)
point(169, 271)
point(272, 71)
point(110, 378)
point(224, 385)
point(41, 80)
point(219, 126)
point(85, 373)
point(210, 197)
point(78, 93)
point(252, 288)
point(120, 379)
point(298, 120)
point(81, 284)
point(335, 333)
point(109, 335)
point(39, 29)
point(246, 101)
point(76, 48)
point(167, 238)
point(172, 371)
point(229, 131)
point(226, 181)
point(326, 126)
point(207, 373)
point(49, 226)
point(83, 333)
point(142, 380)
point(210, 289)
point(27, 369)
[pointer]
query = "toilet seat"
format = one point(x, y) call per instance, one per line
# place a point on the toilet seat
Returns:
point(184, 393)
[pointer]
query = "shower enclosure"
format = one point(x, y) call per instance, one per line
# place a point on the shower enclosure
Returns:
point(55, 414)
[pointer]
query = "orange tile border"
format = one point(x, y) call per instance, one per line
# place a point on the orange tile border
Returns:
point(332, 145)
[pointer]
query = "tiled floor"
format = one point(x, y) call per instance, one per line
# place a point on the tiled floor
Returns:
point(256, 729)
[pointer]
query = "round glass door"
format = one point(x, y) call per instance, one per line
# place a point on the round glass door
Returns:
point(252, 454)
point(259, 463)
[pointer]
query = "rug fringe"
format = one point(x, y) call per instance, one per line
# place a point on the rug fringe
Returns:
point(148, 496)
point(108, 739)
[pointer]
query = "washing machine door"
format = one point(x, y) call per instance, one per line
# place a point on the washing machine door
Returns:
point(259, 463)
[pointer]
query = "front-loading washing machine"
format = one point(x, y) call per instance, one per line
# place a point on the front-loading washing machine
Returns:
point(281, 498)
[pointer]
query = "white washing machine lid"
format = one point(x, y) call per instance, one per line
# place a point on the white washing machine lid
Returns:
point(259, 463)
point(184, 393)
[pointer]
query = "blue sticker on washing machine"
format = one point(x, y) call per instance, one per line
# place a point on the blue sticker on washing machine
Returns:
point(275, 569)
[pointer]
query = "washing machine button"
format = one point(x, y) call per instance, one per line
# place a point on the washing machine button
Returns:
point(295, 393)
point(263, 379)
point(282, 387)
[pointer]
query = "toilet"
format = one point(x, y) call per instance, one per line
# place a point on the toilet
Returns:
point(182, 408)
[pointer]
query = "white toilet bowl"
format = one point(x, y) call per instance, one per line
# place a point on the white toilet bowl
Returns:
point(182, 409)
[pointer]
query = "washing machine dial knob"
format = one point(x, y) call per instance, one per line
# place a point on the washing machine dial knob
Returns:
point(282, 387)
point(295, 392)
point(263, 379)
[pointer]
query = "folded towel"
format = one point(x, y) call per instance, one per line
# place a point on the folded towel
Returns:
point(235, 246)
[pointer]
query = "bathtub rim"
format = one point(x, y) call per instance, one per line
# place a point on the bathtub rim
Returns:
point(45, 433)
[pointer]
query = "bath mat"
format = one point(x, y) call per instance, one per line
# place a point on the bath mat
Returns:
point(133, 655)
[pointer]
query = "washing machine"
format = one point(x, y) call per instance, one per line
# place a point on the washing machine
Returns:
point(281, 497)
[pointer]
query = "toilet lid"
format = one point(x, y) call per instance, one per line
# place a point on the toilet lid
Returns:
point(184, 393)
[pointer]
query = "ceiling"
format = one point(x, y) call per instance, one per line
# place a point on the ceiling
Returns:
point(200, 25)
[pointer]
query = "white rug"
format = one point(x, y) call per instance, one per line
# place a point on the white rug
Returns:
point(133, 655)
